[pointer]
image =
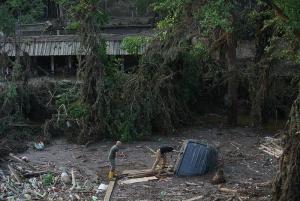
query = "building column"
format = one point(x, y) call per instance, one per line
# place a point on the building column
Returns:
point(69, 62)
point(52, 64)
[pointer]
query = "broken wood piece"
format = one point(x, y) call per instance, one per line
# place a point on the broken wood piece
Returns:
point(271, 151)
point(144, 179)
point(73, 180)
point(15, 174)
point(137, 172)
point(36, 193)
point(151, 150)
point(34, 174)
point(264, 184)
point(27, 164)
point(227, 190)
point(195, 198)
point(109, 190)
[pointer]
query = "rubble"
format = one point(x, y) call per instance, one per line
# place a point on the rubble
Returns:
point(28, 181)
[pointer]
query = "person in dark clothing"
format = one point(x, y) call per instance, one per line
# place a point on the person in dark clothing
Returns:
point(161, 156)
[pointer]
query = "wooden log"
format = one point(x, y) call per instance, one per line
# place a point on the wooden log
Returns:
point(73, 180)
point(151, 150)
point(227, 190)
point(34, 174)
point(138, 180)
point(195, 198)
point(27, 164)
point(15, 174)
point(109, 190)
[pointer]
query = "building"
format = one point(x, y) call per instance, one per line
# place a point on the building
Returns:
point(52, 49)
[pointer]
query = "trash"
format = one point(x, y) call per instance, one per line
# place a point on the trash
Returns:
point(94, 198)
point(65, 178)
point(27, 197)
point(24, 158)
point(39, 146)
point(102, 187)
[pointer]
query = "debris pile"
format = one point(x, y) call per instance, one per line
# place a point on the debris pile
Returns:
point(28, 181)
point(272, 146)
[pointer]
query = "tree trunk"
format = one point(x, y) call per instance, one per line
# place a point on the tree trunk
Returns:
point(258, 111)
point(232, 81)
point(287, 182)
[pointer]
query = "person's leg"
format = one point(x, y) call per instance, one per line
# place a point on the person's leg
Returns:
point(157, 159)
point(112, 168)
point(164, 161)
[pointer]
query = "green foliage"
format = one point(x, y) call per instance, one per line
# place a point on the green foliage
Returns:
point(291, 8)
point(171, 11)
point(17, 72)
point(48, 179)
point(68, 96)
point(199, 50)
point(133, 44)
point(214, 14)
point(23, 10)
point(90, 9)
point(143, 5)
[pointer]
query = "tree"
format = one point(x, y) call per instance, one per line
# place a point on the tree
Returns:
point(287, 21)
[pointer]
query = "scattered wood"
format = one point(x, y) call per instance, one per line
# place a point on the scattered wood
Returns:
point(227, 190)
point(15, 174)
point(27, 164)
point(264, 184)
point(154, 152)
point(271, 151)
point(34, 174)
point(144, 179)
point(137, 173)
point(195, 198)
point(37, 193)
point(109, 190)
point(73, 180)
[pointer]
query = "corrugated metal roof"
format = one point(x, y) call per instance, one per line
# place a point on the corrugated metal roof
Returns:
point(63, 45)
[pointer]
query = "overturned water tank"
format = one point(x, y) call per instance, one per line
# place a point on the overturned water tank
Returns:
point(196, 158)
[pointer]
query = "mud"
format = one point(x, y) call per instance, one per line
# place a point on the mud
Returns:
point(245, 166)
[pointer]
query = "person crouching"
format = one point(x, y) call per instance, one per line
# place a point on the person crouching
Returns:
point(161, 156)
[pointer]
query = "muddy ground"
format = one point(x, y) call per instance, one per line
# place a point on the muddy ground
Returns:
point(245, 166)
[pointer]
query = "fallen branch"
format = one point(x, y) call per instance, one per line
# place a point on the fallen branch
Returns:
point(15, 174)
point(227, 190)
point(34, 174)
point(37, 193)
point(27, 164)
point(73, 180)
point(195, 198)
point(151, 150)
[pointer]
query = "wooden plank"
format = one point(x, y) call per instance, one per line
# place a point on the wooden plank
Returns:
point(195, 198)
point(133, 172)
point(138, 180)
point(109, 190)
point(15, 174)
point(151, 150)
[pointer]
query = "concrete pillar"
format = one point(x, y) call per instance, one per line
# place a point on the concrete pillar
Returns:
point(52, 64)
point(69, 62)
